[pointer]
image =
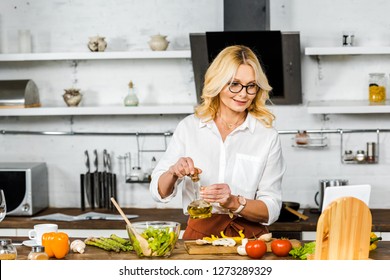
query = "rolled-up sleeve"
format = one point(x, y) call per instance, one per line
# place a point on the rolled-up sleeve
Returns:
point(270, 188)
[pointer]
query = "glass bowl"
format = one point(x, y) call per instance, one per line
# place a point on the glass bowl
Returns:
point(160, 235)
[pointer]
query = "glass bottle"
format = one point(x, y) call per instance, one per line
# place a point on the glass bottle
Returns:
point(7, 250)
point(377, 88)
point(131, 98)
point(198, 208)
point(37, 253)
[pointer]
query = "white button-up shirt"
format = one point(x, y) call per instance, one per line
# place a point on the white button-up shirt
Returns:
point(250, 161)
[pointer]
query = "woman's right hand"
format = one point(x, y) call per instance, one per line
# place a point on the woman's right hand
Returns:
point(184, 167)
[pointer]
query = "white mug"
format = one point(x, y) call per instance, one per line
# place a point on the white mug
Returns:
point(39, 230)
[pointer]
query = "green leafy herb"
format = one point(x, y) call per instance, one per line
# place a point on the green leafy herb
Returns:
point(303, 251)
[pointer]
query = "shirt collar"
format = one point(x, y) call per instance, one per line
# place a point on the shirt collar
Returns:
point(250, 123)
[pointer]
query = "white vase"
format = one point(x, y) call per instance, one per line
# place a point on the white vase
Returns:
point(158, 42)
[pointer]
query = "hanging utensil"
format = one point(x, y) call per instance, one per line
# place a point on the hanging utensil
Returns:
point(143, 243)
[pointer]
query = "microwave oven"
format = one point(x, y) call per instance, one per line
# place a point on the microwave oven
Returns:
point(25, 186)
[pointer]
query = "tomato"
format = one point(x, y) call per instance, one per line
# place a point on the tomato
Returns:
point(281, 247)
point(256, 248)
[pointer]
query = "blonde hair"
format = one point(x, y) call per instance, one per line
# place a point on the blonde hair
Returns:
point(222, 71)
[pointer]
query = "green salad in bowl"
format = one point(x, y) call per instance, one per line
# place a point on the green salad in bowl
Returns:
point(161, 237)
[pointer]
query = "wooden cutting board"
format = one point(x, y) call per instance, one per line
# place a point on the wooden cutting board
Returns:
point(194, 249)
point(343, 231)
point(207, 249)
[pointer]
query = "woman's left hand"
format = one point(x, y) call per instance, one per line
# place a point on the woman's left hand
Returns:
point(219, 193)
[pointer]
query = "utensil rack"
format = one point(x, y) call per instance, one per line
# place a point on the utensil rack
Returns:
point(341, 132)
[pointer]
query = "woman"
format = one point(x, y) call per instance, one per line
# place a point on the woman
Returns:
point(231, 142)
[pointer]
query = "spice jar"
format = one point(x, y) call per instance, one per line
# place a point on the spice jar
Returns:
point(377, 88)
point(371, 153)
point(301, 138)
point(37, 253)
point(360, 156)
point(348, 156)
point(7, 250)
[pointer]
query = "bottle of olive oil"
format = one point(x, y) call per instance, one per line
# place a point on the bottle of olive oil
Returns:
point(198, 208)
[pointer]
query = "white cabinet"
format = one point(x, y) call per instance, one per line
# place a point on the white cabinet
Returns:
point(99, 110)
point(346, 106)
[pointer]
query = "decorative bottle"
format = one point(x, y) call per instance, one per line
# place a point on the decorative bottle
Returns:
point(131, 98)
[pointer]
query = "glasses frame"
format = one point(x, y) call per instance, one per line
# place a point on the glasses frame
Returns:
point(246, 88)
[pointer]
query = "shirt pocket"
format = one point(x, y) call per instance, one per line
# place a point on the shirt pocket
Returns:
point(247, 172)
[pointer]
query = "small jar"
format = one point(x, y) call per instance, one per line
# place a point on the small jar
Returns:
point(360, 156)
point(302, 138)
point(371, 153)
point(348, 156)
point(377, 88)
point(37, 253)
point(7, 250)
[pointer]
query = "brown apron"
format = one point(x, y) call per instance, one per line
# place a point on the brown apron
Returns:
point(199, 228)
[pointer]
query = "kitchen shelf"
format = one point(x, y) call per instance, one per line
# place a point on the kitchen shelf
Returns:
point(95, 55)
point(346, 107)
point(100, 110)
point(347, 51)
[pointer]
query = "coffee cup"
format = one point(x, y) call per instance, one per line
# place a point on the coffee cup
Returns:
point(36, 233)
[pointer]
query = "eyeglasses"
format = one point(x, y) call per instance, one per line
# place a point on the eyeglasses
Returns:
point(251, 89)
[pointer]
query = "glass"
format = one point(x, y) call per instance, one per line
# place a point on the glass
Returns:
point(3, 205)
point(7, 250)
point(251, 89)
point(198, 208)
point(377, 88)
point(37, 253)
point(131, 98)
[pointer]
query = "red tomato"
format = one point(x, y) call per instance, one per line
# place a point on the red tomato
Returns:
point(281, 247)
point(256, 248)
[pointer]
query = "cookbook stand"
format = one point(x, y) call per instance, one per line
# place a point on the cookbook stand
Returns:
point(343, 231)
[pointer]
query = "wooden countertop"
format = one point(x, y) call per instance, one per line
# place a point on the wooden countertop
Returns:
point(179, 253)
point(380, 219)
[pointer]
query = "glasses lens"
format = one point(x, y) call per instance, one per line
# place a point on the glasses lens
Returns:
point(252, 89)
point(235, 87)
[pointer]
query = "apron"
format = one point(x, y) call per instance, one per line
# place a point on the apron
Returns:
point(199, 228)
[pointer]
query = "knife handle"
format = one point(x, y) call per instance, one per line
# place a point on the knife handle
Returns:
point(82, 192)
point(92, 189)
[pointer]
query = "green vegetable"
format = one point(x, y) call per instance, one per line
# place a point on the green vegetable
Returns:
point(114, 243)
point(303, 251)
point(161, 241)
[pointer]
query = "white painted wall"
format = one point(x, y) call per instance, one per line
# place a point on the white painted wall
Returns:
point(61, 26)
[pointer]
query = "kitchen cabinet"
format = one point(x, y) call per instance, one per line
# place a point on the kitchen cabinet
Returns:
point(346, 106)
point(98, 110)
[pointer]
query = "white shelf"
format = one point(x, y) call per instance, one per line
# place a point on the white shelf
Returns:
point(113, 110)
point(347, 50)
point(346, 107)
point(95, 55)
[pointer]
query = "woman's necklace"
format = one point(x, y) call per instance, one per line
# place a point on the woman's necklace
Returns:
point(231, 125)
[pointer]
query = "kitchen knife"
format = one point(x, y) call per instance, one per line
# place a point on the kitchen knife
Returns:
point(104, 181)
point(87, 178)
point(82, 191)
point(95, 188)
